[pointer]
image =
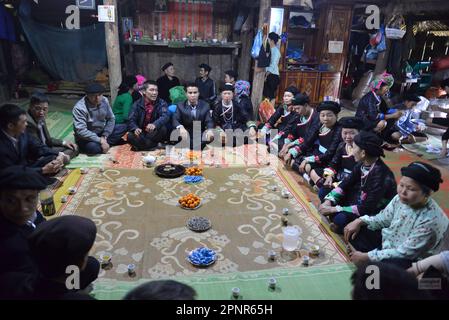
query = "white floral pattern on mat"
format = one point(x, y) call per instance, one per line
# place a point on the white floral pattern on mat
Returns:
point(253, 188)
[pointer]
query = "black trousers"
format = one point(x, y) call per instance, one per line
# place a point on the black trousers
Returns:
point(270, 86)
point(90, 273)
point(443, 122)
point(368, 240)
point(147, 140)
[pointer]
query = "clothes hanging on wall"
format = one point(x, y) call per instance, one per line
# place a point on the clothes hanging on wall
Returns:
point(7, 31)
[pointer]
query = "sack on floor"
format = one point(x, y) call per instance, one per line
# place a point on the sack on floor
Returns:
point(266, 110)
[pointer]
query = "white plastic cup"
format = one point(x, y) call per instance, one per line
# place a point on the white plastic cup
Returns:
point(271, 255)
point(235, 292)
point(285, 211)
point(291, 239)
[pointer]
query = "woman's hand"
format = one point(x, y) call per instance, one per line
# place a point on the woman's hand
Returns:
point(352, 229)
point(328, 182)
point(327, 210)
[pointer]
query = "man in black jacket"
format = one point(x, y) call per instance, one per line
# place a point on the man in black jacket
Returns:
point(19, 194)
point(17, 147)
point(167, 81)
point(19, 217)
point(206, 85)
point(148, 119)
point(194, 111)
point(37, 127)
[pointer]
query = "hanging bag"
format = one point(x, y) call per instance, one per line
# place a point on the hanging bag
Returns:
point(394, 27)
point(257, 44)
point(264, 58)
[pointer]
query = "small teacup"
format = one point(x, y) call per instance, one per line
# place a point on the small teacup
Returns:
point(105, 258)
point(272, 283)
point(305, 260)
point(131, 268)
point(149, 160)
point(315, 250)
point(64, 199)
point(72, 190)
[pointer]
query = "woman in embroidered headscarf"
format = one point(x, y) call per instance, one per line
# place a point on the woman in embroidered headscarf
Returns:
point(372, 108)
point(368, 189)
point(411, 227)
point(242, 96)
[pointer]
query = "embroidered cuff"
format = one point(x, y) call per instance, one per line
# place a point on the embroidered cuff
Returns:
point(293, 152)
point(329, 172)
point(310, 159)
point(251, 124)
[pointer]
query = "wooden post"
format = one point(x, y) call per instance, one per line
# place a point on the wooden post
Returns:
point(246, 37)
point(259, 76)
point(113, 52)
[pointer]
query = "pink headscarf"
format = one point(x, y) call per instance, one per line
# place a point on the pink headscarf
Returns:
point(140, 79)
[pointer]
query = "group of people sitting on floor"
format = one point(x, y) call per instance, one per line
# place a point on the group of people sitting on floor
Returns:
point(342, 159)
point(381, 221)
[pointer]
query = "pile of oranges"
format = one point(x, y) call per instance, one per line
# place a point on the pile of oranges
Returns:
point(191, 155)
point(194, 171)
point(190, 201)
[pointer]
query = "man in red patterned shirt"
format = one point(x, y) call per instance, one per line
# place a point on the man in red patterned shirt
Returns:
point(148, 119)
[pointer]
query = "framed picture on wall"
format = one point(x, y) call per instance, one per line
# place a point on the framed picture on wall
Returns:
point(85, 4)
point(161, 6)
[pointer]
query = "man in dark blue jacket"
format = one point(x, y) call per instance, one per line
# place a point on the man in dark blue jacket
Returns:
point(17, 147)
point(148, 119)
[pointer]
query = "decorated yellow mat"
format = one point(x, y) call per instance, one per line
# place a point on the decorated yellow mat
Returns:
point(139, 222)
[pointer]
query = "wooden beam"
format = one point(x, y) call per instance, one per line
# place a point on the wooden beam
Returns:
point(259, 75)
point(113, 52)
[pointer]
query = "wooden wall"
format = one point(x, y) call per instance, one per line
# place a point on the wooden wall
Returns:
point(150, 59)
point(206, 19)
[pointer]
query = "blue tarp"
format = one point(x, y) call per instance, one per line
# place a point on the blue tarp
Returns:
point(71, 55)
